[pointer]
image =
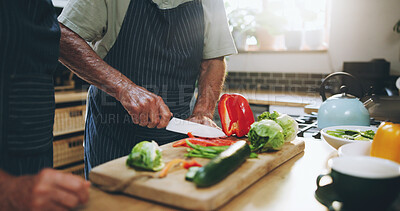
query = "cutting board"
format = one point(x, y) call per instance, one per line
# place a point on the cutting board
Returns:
point(174, 190)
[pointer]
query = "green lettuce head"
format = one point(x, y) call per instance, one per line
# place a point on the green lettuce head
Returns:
point(266, 135)
point(288, 124)
point(146, 155)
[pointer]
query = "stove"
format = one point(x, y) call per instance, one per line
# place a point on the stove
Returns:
point(308, 125)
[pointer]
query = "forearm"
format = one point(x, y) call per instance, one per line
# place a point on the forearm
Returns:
point(144, 107)
point(211, 79)
point(80, 58)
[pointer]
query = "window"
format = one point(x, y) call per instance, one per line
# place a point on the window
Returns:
point(278, 25)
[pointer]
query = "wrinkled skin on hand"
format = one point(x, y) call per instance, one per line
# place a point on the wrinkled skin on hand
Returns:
point(145, 108)
point(48, 190)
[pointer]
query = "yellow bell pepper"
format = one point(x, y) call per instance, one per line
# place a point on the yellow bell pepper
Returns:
point(386, 143)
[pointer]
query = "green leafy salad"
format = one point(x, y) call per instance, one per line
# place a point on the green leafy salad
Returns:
point(271, 131)
point(147, 156)
point(352, 134)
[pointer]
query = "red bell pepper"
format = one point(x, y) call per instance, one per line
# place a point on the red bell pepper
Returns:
point(188, 164)
point(190, 135)
point(235, 114)
point(203, 142)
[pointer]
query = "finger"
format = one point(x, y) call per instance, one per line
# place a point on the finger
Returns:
point(73, 184)
point(210, 123)
point(135, 118)
point(144, 119)
point(165, 115)
point(64, 198)
point(154, 115)
point(48, 205)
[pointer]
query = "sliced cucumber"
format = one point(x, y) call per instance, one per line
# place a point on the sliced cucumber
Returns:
point(222, 165)
point(191, 173)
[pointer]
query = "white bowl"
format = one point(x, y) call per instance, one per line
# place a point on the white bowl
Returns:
point(336, 142)
point(360, 148)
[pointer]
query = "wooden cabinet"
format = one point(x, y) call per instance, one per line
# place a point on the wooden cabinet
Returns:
point(69, 125)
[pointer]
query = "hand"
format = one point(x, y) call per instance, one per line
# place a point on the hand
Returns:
point(146, 108)
point(203, 119)
point(48, 190)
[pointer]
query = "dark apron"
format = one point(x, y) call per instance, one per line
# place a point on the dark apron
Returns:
point(160, 50)
point(30, 36)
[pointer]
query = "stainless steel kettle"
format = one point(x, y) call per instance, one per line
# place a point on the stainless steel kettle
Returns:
point(343, 108)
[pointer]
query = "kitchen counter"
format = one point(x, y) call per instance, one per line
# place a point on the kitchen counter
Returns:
point(289, 187)
point(308, 100)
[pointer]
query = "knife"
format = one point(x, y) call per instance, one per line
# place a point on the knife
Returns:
point(184, 126)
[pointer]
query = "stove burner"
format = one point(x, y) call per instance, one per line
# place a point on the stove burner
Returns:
point(306, 123)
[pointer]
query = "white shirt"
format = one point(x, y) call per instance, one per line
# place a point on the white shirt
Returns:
point(99, 22)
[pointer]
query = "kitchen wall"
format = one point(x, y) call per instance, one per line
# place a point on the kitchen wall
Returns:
point(287, 82)
point(360, 30)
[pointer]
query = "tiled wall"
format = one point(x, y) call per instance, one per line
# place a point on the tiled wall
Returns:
point(293, 82)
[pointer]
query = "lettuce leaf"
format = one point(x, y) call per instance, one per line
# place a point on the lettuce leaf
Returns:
point(146, 155)
point(266, 135)
point(289, 125)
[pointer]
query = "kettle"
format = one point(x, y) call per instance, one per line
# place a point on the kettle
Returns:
point(343, 108)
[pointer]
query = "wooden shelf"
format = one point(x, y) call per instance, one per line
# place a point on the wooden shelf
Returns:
point(70, 96)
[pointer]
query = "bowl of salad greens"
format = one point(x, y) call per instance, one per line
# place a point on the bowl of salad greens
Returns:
point(336, 136)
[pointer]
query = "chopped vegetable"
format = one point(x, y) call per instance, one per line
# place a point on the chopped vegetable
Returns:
point(204, 151)
point(192, 163)
point(266, 135)
point(386, 143)
point(289, 125)
point(222, 165)
point(174, 162)
point(146, 155)
point(169, 165)
point(352, 134)
point(209, 152)
point(204, 142)
point(191, 173)
point(253, 155)
point(235, 114)
point(197, 141)
point(190, 135)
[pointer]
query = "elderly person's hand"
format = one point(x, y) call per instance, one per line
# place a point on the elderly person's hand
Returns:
point(48, 190)
point(203, 119)
point(146, 108)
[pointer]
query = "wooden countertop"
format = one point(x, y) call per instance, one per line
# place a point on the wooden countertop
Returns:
point(289, 187)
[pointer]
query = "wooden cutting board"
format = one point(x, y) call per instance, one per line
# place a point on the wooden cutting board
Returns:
point(176, 191)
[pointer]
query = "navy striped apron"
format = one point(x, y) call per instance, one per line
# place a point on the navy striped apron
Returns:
point(160, 50)
point(29, 39)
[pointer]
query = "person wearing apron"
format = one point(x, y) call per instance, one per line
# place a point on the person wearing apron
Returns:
point(28, 57)
point(160, 50)
point(29, 49)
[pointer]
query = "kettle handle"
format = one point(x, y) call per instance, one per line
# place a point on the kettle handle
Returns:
point(322, 87)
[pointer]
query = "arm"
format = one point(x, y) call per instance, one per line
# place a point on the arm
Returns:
point(48, 190)
point(144, 107)
point(211, 79)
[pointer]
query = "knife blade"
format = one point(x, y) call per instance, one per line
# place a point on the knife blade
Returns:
point(184, 126)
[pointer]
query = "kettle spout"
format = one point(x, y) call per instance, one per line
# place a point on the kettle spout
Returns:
point(369, 103)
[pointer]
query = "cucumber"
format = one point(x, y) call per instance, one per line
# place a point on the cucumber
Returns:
point(222, 165)
point(191, 173)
